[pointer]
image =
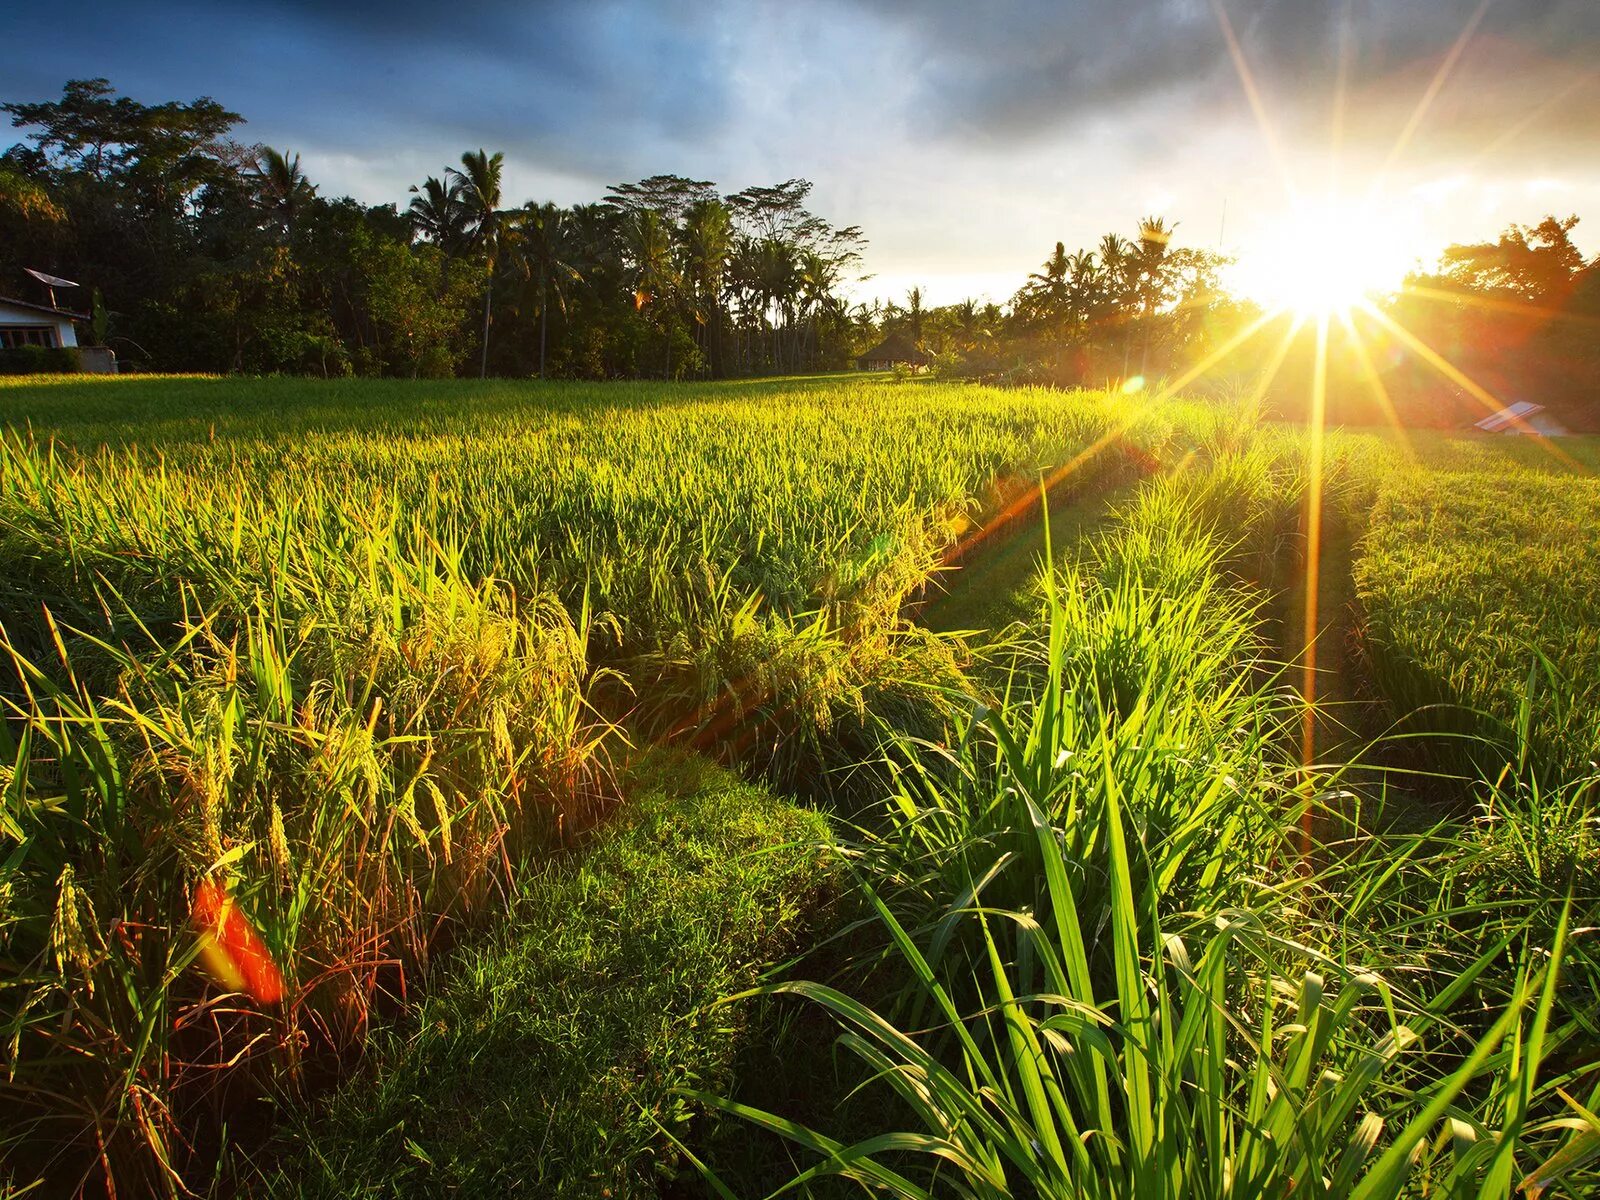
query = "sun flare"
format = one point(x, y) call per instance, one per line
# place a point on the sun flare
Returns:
point(1324, 256)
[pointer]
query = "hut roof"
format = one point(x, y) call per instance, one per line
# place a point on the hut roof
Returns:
point(1512, 416)
point(897, 347)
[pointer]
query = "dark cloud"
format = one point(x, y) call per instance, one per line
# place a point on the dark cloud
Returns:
point(1047, 112)
point(575, 86)
point(585, 83)
point(1034, 68)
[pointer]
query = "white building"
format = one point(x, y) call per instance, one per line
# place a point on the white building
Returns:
point(24, 324)
point(1523, 417)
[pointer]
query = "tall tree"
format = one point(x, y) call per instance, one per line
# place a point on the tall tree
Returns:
point(540, 242)
point(479, 183)
point(438, 215)
point(1154, 237)
point(282, 188)
point(649, 245)
point(707, 245)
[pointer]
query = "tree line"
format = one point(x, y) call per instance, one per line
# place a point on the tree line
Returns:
point(206, 253)
point(201, 252)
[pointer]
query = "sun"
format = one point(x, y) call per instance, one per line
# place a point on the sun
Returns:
point(1324, 256)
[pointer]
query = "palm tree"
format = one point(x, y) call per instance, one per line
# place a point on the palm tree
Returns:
point(967, 325)
point(707, 247)
point(541, 247)
point(1048, 292)
point(438, 215)
point(478, 182)
point(282, 188)
point(817, 276)
point(1117, 260)
point(914, 313)
point(649, 242)
point(776, 279)
point(1154, 236)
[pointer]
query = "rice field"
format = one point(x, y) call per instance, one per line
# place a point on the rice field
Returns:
point(1479, 579)
point(307, 684)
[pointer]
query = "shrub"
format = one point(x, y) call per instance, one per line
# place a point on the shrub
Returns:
point(40, 360)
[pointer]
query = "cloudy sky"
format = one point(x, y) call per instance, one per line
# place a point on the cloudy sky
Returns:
point(965, 136)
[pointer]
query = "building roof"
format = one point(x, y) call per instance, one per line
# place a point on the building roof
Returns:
point(1511, 415)
point(45, 308)
point(897, 347)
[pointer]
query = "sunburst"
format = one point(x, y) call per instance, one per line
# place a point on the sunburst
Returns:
point(1325, 259)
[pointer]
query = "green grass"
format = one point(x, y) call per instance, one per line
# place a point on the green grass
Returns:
point(371, 655)
point(1117, 976)
point(351, 651)
point(1478, 576)
point(553, 1050)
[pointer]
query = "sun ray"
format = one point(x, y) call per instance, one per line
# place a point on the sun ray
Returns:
point(1527, 122)
point(1370, 371)
point(1341, 96)
point(1490, 402)
point(1431, 93)
point(1269, 373)
point(968, 542)
point(1313, 574)
point(1493, 304)
point(1252, 93)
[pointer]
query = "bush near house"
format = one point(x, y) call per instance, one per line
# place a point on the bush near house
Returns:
point(40, 360)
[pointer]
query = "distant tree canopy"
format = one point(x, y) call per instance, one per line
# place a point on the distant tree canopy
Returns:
point(216, 255)
point(202, 252)
point(1520, 316)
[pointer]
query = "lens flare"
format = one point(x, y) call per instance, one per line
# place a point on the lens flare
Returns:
point(230, 948)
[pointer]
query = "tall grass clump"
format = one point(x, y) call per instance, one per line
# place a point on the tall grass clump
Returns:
point(1106, 971)
point(295, 674)
point(746, 552)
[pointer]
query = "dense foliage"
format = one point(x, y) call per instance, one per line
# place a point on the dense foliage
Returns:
point(200, 252)
point(215, 255)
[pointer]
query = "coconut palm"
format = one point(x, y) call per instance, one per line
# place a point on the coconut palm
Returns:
point(438, 215)
point(539, 243)
point(818, 273)
point(969, 324)
point(281, 187)
point(707, 246)
point(648, 237)
point(1047, 295)
point(1085, 286)
point(478, 182)
point(1154, 237)
point(1118, 259)
point(777, 279)
point(915, 312)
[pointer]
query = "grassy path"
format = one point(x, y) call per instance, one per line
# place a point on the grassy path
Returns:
point(545, 1059)
point(994, 586)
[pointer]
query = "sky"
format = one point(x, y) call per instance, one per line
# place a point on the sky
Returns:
point(965, 137)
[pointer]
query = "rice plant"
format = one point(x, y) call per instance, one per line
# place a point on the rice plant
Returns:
point(1478, 589)
point(1110, 974)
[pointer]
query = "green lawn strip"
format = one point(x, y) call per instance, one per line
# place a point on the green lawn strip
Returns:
point(542, 1060)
